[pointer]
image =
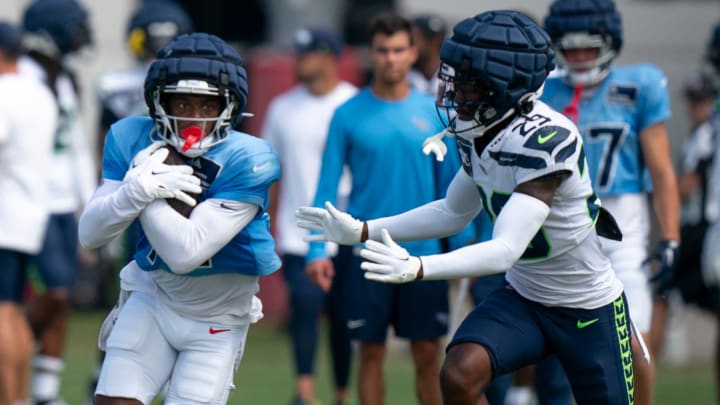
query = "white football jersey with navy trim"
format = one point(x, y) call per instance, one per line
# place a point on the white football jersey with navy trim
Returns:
point(563, 265)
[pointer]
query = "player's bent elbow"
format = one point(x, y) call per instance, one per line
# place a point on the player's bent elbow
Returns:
point(87, 235)
point(511, 253)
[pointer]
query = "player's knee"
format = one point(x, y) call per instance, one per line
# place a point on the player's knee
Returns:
point(466, 370)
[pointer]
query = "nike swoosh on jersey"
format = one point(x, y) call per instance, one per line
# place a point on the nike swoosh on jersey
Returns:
point(542, 139)
point(214, 331)
point(582, 325)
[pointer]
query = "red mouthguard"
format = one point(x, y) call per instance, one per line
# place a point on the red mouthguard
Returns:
point(191, 135)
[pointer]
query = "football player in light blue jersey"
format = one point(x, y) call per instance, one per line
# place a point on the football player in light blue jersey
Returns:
point(188, 297)
point(621, 113)
point(378, 134)
point(523, 163)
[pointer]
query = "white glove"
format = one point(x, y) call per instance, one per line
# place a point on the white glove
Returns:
point(149, 178)
point(388, 262)
point(434, 144)
point(334, 225)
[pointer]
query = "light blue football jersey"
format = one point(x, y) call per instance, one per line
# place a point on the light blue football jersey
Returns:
point(241, 169)
point(381, 142)
point(611, 117)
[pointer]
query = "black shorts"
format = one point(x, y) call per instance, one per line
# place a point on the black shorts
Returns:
point(416, 310)
point(593, 345)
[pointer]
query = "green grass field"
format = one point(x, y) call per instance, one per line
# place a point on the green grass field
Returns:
point(265, 374)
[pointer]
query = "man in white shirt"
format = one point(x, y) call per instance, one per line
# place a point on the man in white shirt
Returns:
point(297, 125)
point(54, 32)
point(27, 126)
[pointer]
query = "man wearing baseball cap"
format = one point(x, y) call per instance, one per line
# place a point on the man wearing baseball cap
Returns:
point(297, 125)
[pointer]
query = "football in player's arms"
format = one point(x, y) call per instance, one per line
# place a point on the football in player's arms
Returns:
point(175, 158)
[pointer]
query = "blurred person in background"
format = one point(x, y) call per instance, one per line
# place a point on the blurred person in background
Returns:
point(296, 125)
point(621, 112)
point(56, 32)
point(378, 134)
point(711, 253)
point(28, 120)
point(151, 25)
point(429, 32)
point(698, 211)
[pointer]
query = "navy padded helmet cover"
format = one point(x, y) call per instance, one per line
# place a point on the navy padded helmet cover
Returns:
point(505, 49)
point(198, 56)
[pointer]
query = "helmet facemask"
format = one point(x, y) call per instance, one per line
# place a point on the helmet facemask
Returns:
point(591, 72)
point(476, 113)
point(203, 133)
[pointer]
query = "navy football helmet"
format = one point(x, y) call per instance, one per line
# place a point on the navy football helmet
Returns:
point(575, 24)
point(503, 58)
point(153, 24)
point(200, 64)
point(56, 28)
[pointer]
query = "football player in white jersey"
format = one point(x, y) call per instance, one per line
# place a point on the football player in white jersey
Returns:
point(524, 163)
point(621, 113)
point(188, 295)
point(56, 32)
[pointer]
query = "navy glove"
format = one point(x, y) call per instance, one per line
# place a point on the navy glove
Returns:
point(666, 252)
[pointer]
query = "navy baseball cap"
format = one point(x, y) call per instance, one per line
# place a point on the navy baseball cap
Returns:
point(431, 25)
point(10, 38)
point(317, 40)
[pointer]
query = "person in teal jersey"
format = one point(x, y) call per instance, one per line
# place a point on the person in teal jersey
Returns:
point(621, 113)
point(188, 296)
point(378, 134)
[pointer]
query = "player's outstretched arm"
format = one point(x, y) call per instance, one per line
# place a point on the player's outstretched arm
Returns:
point(437, 219)
point(516, 225)
point(331, 224)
